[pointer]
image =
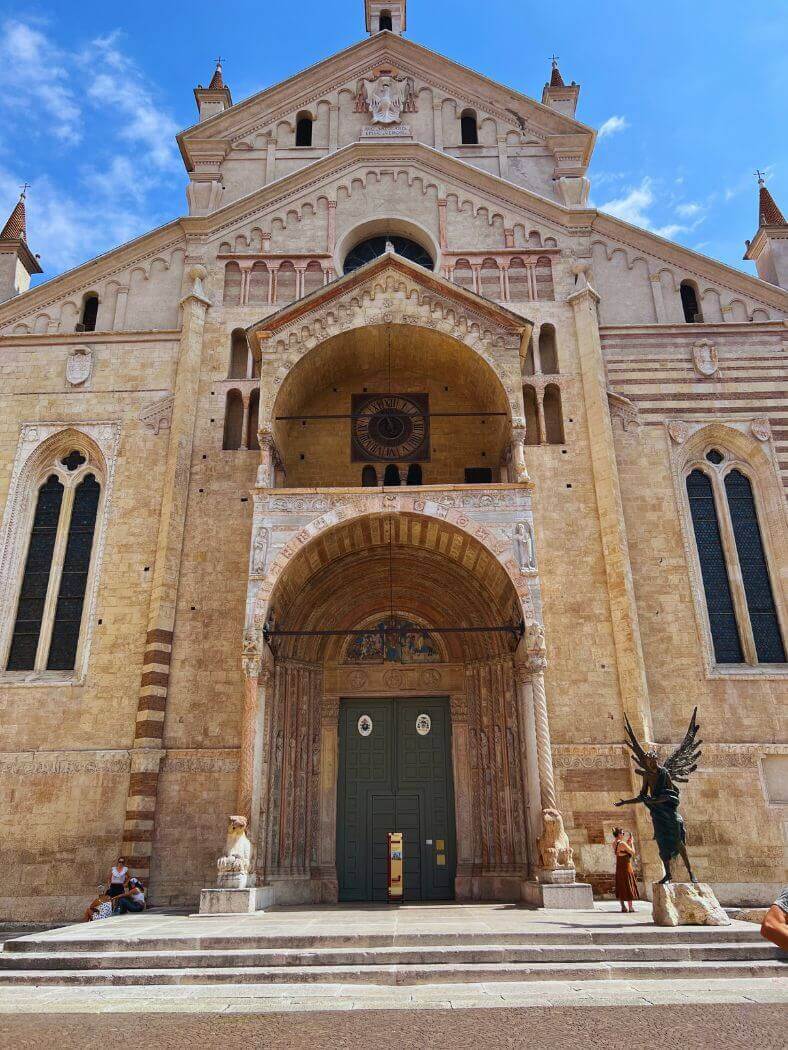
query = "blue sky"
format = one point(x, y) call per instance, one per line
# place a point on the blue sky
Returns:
point(690, 98)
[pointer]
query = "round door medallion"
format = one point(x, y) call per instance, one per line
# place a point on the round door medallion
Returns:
point(423, 725)
point(364, 725)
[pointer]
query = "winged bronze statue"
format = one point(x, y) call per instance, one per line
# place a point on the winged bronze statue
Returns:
point(661, 795)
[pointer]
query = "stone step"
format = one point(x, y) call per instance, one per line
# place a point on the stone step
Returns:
point(202, 958)
point(400, 975)
point(274, 940)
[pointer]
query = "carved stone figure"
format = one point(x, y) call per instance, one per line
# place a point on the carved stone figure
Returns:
point(79, 365)
point(385, 97)
point(554, 849)
point(236, 864)
point(660, 794)
point(534, 638)
point(705, 358)
point(260, 551)
point(524, 546)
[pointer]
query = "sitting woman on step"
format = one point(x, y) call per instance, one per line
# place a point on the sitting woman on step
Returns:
point(626, 883)
point(132, 900)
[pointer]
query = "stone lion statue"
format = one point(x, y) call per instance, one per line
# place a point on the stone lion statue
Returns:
point(234, 867)
point(554, 848)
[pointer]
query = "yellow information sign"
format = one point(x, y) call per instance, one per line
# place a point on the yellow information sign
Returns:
point(396, 871)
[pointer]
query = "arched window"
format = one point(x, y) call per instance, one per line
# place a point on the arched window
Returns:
point(233, 421)
point(716, 583)
point(553, 419)
point(90, 306)
point(369, 477)
point(391, 477)
point(414, 474)
point(548, 351)
point(286, 283)
point(743, 618)
point(490, 279)
point(532, 434)
point(463, 274)
point(232, 284)
point(754, 569)
point(49, 612)
point(303, 135)
point(385, 21)
point(689, 302)
point(469, 131)
point(519, 291)
point(374, 247)
point(252, 441)
point(527, 362)
point(544, 278)
point(259, 283)
point(239, 355)
point(313, 277)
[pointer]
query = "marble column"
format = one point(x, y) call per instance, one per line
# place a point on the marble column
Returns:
point(258, 675)
point(517, 456)
point(463, 791)
point(329, 769)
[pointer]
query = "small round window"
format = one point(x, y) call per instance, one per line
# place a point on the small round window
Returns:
point(370, 249)
point(714, 456)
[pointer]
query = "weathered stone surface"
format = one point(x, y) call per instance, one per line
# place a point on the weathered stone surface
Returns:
point(687, 904)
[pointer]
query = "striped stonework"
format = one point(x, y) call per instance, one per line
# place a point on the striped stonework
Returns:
point(153, 689)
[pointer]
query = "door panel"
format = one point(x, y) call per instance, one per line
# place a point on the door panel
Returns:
point(395, 779)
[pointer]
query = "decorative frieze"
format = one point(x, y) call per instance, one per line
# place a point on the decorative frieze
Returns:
point(65, 763)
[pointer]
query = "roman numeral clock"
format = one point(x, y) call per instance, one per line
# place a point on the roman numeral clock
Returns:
point(390, 428)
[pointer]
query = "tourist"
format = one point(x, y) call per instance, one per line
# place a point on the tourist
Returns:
point(100, 907)
point(626, 883)
point(117, 878)
point(132, 899)
point(775, 926)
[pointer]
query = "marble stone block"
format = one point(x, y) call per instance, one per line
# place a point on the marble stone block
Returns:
point(687, 904)
point(216, 901)
point(558, 895)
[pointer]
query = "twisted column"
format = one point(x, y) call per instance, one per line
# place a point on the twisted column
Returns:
point(518, 455)
point(258, 672)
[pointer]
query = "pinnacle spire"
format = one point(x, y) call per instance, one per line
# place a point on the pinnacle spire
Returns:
point(556, 80)
point(15, 228)
point(217, 80)
point(768, 212)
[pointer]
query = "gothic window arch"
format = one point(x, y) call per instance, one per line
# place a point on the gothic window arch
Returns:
point(740, 606)
point(689, 302)
point(89, 313)
point(60, 499)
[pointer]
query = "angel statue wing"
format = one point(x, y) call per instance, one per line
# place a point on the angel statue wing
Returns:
point(684, 759)
point(638, 754)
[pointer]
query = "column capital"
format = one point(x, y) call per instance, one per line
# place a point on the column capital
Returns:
point(257, 659)
point(458, 704)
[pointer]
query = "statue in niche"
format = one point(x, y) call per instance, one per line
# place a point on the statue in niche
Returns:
point(524, 546)
point(386, 98)
point(260, 550)
point(661, 795)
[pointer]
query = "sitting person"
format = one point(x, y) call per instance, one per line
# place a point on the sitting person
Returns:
point(775, 925)
point(100, 907)
point(132, 900)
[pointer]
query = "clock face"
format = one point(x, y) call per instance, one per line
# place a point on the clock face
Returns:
point(390, 428)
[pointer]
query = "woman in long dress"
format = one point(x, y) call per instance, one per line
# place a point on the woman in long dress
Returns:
point(626, 883)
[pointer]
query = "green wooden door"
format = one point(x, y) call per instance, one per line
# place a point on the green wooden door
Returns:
point(394, 778)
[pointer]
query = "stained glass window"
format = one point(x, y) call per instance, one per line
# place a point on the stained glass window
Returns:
point(754, 570)
point(35, 581)
point(716, 584)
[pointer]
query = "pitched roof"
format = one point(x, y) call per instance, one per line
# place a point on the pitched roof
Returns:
point(15, 229)
point(217, 81)
point(768, 212)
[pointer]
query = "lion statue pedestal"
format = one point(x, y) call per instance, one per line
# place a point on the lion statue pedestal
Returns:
point(555, 885)
point(235, 892)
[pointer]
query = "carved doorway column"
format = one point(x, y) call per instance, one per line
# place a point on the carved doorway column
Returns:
point(258, 668)
point(463, 804)
point(329, 771)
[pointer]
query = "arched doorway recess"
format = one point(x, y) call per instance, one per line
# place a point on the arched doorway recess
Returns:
point(433, 574)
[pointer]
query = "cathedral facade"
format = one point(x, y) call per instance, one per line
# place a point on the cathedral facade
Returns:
point(374, 494)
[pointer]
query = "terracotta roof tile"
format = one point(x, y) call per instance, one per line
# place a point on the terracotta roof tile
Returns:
point(217, 81)
point(15, 228)
point(768, 212)
point(556, 80)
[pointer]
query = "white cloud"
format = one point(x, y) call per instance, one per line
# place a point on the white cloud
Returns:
point(612, 125)
point(633, 207)
point(689, 210)
point(34, 79)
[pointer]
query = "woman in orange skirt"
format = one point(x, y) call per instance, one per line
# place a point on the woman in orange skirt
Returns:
point(626, 883)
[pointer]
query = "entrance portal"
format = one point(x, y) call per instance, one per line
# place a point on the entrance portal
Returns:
point(395, 774)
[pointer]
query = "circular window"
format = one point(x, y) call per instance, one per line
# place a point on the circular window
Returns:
point(375, 246)
point(714, 456)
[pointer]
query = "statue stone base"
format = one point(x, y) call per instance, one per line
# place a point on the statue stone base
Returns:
point(219, 901)
point(559, 896)
point(687, 904)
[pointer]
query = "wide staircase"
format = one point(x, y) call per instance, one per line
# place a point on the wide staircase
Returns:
point(294, 946)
